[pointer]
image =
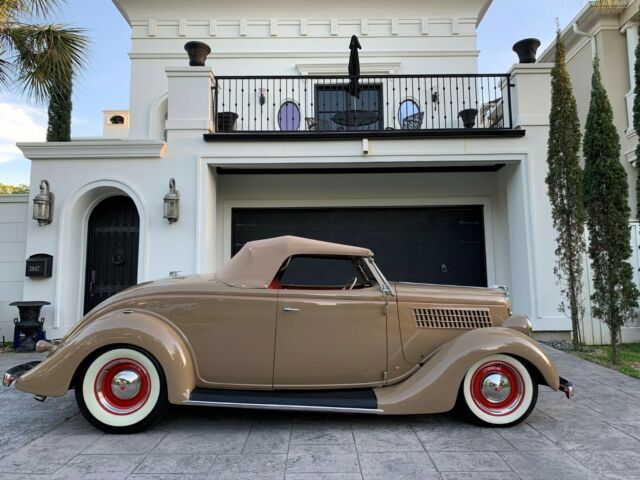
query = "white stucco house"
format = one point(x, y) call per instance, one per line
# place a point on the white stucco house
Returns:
point(394, 169)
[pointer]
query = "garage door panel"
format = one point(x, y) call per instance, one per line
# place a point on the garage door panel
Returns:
point(418, 244)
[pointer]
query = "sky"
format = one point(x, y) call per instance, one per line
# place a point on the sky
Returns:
point(104, 84)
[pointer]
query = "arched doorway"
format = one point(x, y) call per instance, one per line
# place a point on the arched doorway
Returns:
point(112, 249)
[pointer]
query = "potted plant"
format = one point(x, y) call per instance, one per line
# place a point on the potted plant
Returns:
point(226, 121)
point(526, 49)
point(197, 52)
point(468, 117)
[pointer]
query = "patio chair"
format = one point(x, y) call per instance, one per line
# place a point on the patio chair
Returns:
point(316, 125)
point(413, 122)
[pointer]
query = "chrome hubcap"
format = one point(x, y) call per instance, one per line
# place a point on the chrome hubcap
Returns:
point(125, 384)
point(496, 388)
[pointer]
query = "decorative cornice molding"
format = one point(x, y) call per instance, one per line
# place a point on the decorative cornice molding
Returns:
point(92, 149)
point(289, 54)
point(372, 68)
point(293, 28)
point(189, 71)
point(531, 69)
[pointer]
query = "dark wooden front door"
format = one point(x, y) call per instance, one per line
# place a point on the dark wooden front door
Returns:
point(112, 250)
point(442, 245)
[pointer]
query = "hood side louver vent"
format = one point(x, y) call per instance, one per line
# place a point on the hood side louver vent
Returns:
point(452, 317)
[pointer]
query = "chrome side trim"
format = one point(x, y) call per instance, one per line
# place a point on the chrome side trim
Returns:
point(274, 406)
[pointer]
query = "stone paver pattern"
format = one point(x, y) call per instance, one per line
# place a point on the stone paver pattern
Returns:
point(596, 435)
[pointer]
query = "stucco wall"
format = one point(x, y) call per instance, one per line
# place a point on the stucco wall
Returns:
point(579, 66)
point(13, 218)
point(282, 37)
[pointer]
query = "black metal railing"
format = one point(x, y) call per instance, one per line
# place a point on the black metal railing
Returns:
point(384, 103)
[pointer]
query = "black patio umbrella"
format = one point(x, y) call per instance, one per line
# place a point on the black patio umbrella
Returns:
point(354, 67)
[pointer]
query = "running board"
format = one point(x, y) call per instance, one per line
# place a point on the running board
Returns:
point(345, 401)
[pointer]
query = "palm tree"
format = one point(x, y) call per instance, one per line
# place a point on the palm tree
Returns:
point(38, 59)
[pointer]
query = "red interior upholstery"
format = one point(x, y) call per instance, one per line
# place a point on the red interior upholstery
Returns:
point(275, 284)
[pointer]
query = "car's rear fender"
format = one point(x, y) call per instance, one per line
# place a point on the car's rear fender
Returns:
point(142, 329)
point(434, 387)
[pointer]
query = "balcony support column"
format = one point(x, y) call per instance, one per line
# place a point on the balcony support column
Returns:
point(531, 232)
point(531, 94)
point(190, 97)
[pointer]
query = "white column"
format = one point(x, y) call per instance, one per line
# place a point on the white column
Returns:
point(531, 233)
point(631, 30)
point(530, 94)
point(190, 101)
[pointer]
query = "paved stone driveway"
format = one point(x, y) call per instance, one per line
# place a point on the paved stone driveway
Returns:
point(594, 436)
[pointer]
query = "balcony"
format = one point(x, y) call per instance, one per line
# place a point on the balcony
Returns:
point(393, 106)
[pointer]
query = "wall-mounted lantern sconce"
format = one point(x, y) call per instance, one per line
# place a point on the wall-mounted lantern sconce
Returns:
point(43, 205)
point(172, 203)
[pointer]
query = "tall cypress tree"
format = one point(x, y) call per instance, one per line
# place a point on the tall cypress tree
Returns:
point(607, 203)
point(565, 190)
point(59, 127)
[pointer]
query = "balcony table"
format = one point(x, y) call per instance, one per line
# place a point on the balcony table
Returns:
point(355, 118)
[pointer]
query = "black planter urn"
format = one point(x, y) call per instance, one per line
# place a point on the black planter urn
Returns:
point(28, 327)
point(197, 52)
point(468, 117)
point(526, 49)
point(226, 121)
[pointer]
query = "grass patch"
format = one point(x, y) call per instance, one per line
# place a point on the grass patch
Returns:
point(628, 357)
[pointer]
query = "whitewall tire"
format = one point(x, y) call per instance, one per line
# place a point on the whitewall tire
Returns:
point(498, 391)
point(121, 390)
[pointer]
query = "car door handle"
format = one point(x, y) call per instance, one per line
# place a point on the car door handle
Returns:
point(291, 309)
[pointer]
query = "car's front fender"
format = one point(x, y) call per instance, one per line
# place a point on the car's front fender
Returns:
point(434, 387)
point(54, 376)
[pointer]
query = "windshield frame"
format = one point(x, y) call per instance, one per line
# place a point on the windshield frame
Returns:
point(385, 286)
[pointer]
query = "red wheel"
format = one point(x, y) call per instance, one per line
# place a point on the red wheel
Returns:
point(122, 386)
point(498, 390)
point(122, 391)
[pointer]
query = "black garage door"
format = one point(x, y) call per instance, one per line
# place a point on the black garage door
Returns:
point(415, 244)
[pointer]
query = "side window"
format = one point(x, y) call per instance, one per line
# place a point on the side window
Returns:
point(325, 273)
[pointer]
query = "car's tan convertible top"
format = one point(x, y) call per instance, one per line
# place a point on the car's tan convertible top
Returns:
point(257, 263)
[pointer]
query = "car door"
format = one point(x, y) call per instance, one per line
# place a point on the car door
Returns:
point(327, 336)
point(232, 333)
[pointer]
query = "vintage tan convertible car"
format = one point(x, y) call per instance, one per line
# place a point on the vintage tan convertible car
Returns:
point(296, 324)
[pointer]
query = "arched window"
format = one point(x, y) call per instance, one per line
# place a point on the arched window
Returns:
point(116, 120)
point(407, 108)
point(289, 116)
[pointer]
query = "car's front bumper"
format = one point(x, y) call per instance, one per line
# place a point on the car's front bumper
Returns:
point(567, 387)
point(16, 372)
